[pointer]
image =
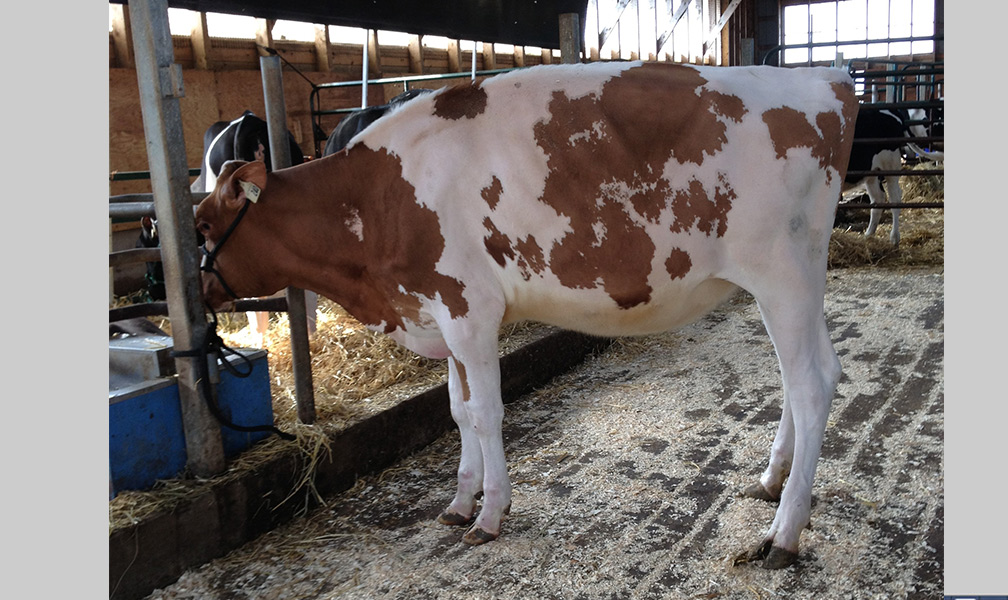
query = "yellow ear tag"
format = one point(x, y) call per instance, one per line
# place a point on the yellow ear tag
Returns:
point(252, 190)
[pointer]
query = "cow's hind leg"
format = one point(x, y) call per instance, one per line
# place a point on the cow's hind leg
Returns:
point(810, 370)
point(771, 482)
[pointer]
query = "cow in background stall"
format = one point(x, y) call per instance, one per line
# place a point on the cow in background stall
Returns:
point(611, 198)
point(873, 153)
point(154, 281)
point(359, 120)
point(247, 138)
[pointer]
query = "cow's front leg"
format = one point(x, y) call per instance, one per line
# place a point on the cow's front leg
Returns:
point(462, 509)
point(480, 416)
point(485, 411)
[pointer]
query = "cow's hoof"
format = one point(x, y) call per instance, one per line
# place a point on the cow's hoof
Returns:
point(453, 519)
point(759, 492)
point(477, 535)
point(779, 558)
point(772, 557)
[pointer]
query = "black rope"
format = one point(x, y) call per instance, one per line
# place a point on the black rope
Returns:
point(213, 345)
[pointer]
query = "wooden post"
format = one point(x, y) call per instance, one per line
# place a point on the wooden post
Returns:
point(489, 56)
point(122, 37)
point(374, 53)
point(519, 56)
point(264, 35)
point(276, 124)
point(570, 38)
point(415, 54)
point(454, 56)
point(160, 83)
point(200, 40)
point(322, 48)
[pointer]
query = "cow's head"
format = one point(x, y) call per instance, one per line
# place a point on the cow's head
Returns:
point(235, 253)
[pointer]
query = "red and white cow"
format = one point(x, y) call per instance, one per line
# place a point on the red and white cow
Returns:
point(247, 138)
point(609, 198)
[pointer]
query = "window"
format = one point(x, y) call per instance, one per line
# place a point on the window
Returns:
point(857, 28)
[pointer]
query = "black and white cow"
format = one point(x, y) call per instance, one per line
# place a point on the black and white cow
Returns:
point(246, 138)
point(872, 152)
point(154, 277)
point(359, 120)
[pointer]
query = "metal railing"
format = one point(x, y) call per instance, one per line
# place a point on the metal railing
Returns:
point(314, 98)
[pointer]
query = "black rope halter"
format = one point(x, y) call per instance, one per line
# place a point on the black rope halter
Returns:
point(207, 263)
point(213, 345)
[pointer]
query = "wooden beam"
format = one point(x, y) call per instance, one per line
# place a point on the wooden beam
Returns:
point(664, 38)
point(547, 56)
point(414, 52)
point(489, 56)
point(606, 32)
point(322, 48)
point(200, 40)
point(374, 53)
point(264, 35)
point(715, 31)
point(454, 56)
point(519, 56)
point(122, 36)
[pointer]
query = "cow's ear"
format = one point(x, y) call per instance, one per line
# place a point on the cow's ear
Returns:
point(246, 182)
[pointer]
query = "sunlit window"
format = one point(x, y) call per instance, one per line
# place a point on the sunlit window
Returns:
point(339, 34)
point(825, 28)
point(436, 41)
point(393, 38)
point(231, 26)
point(182, 21)
point(295, 31)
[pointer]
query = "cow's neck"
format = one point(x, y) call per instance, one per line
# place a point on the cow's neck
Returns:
point(339, 226)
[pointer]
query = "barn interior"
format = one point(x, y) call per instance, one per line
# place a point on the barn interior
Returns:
point(363, 56)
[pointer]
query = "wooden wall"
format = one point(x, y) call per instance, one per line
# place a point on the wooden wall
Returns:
point(221, 78)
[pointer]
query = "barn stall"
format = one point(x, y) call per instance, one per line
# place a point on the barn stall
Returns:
point(221, 505)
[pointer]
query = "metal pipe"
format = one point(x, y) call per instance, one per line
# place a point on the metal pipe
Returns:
point(910, 173)
point(160, 86)
point(364, 70)
point(892, 205)
point(276, 124)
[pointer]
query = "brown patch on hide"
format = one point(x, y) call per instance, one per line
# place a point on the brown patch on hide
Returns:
point(606, 157)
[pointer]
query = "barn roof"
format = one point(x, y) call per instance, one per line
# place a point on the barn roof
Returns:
point(518, 22)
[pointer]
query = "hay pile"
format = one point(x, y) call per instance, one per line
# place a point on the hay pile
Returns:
point(922, 230)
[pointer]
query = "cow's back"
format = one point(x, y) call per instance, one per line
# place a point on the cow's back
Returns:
point(630, 186)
